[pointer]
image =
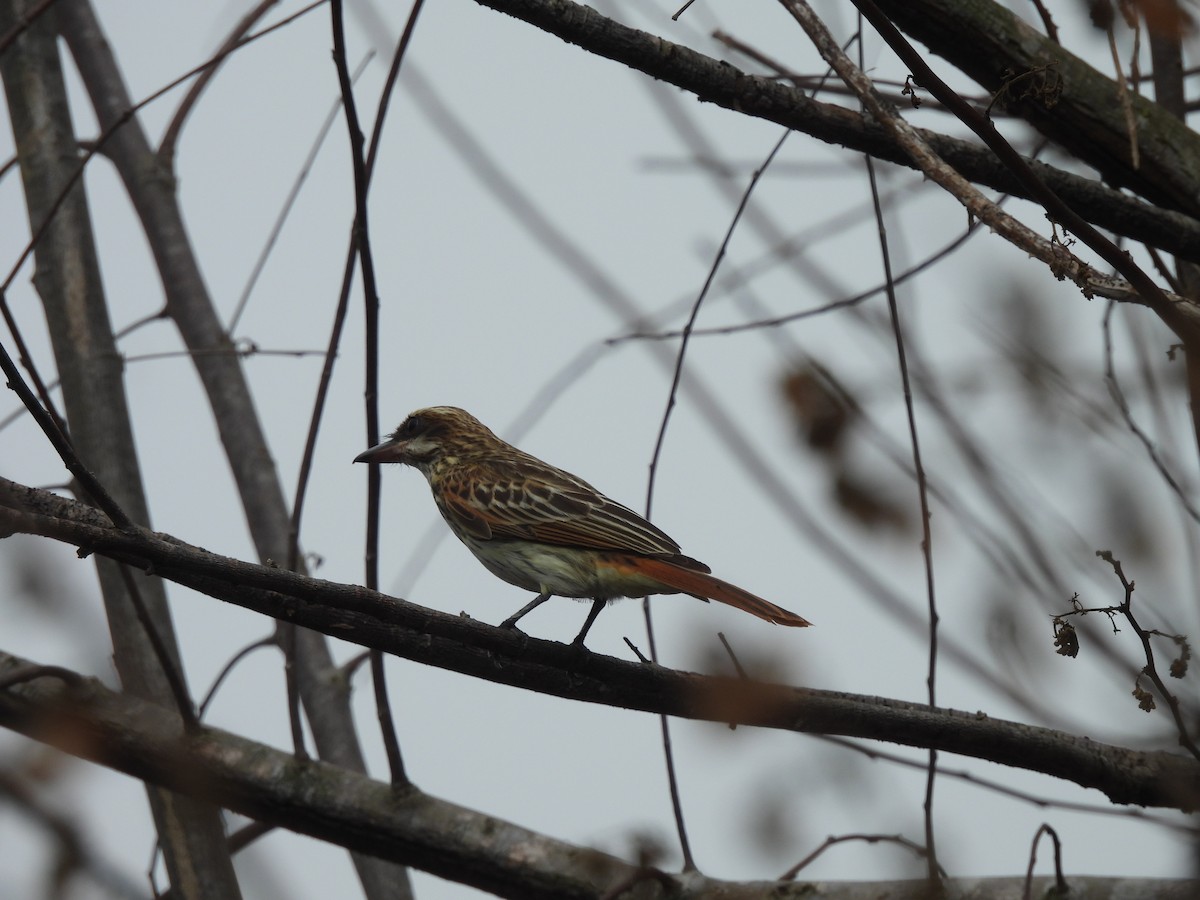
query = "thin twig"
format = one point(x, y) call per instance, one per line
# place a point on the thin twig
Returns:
point(49, 422)
point(1057, 257)
point(389, 85)
point(24, 21)
point(1151, 669)
point(686, 334)
point(44, 414)
point(917, 849)
point(97, 145)
point(166, 662)
point(228, 668)
point(362, 237)
point(1060, 883)
point(1004, 790)
point(636, 652)
point(737, 664)
point(1047, 21)
point(24, 674)
point(786, 319)
point(1118, 395)
point(1123, 94)
point(285, 637)
point(679, 12)
point(933, 868)
point(343, 306)
point(166, 149)
point(290, 200)
point(689, 862)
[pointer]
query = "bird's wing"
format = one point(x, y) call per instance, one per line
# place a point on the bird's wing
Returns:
point(525, 499)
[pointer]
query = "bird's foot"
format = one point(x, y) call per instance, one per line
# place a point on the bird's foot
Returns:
point(578, 642)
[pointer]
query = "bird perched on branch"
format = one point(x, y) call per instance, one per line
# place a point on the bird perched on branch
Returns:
point(543, 529)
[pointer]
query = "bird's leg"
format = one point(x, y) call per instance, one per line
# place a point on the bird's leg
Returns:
point(597, 605)
point(511, 621)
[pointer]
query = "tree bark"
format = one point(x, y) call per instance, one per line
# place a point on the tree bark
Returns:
point(151, 186)
point(407, 826)
point(67, 278)
point(502, 656)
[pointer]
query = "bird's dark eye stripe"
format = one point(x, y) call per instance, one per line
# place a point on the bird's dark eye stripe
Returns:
point(417, 426)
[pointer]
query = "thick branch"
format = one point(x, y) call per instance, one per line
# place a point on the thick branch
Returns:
point(309, 797)
point(151, 187)
point(718, 82)
point(69, 283)
point(1061, 261)
point(1149, 778)
point(405, 826)
point(1085, 118)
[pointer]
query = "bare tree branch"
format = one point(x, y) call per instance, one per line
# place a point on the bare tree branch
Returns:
point(1085, 117)
point(406, 825)
point(714, 81)
point(374, 620)
point(154, 197)
point(68, 280)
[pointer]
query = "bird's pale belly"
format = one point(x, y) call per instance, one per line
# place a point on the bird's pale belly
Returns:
point(561, 571)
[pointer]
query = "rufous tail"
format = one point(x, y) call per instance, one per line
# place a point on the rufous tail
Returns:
point(700, 584)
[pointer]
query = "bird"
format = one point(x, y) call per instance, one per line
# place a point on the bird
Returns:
point(545, 530)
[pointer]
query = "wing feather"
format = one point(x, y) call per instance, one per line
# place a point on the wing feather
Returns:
point(522, 498)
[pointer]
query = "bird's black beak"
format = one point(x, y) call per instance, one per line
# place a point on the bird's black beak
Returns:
point(388, 451)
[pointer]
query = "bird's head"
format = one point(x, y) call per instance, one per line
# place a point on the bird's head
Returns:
point(433, 436)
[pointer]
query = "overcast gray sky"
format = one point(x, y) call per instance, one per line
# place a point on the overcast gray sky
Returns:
point(477, 312)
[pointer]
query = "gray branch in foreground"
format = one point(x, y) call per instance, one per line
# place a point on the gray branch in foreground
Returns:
point(151, 185)
point(407, 826)
point(456, 643)
point(67, 278)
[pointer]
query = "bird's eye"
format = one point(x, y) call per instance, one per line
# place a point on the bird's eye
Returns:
point(411, 426)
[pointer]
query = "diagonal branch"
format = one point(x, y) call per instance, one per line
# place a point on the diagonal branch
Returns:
point(371, 619)
point(1057, 257)
point(1086, 118)
point(1151, 294)
point(718, 82)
